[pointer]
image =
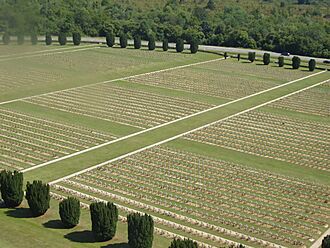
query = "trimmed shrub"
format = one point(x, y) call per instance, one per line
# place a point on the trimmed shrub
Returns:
point(11, 186)
point(123, 40)
point(194, 44)
point(179, 45)
point(151, 43)
point(37, 195)
point(238, 57)
point(69, 210)
point(165, 45)
point(312, 64)
point(34, 39)
point(281, 61)
point(48, 39)
point(252, 56)
point(187, 243)
point(104, 220)
point(266, 58)
point(137, 42)
point(76, 38)
point(225, 55)
point(62, 39)
point(140, 230)
point(20, 39)
point(110, 38)
point(326, 242)
point(6, 39)
point(295, 62)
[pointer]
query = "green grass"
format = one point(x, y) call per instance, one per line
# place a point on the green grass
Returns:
point(19, 229)
point(267, 164)
point(71, 118)
point(66, 167)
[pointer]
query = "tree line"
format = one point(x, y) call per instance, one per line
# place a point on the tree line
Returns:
point(298, 27)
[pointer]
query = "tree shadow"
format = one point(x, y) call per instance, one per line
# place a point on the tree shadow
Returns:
point(54, 224)
point(19, 213)
point(119, 245)
point(81, 237)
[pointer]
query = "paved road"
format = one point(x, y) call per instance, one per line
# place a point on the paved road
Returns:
point(209, 48)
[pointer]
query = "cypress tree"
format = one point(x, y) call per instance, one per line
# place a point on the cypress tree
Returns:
point(11, 186)
point(187, 243)
point(76, 38)
point(137, 42)
point(6, 39)
point(69, 210)
point(140, 230)
point(238, 57)
point(104, 220)
point(295, 62)
point(110, 38)
point(34, 39)
point(151, 43)
point(326, 242)
point(194, 44)
point(312, 64)
point(179, 45)
point(62, 39)
point(281, 61)
point(165, 45)
point(252, 56)
point(266, 58)
point(20, 39)
point(37, 195)
point(123, 40)
point(48, 39)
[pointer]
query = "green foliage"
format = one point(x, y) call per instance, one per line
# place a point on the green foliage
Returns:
point(238, 57)
point(165, 45)
point(69, 210)
point(110, 38)
point(11, 186)
point(194, 46)
point(20, 39)
point(104, 220)
point(6, 39)
point(281, 61)
point(151, 43)
point(187, 243)
point(38, 197)
point(210, 5)
point(295, 62)
point(312, 64)
point(62, 38)
point(48, 39)
point(179, 45)
point(137, 42)
point(326, 242)
point(225, 55)
point(34, 39)
point(266, 58)
point(123, 40)
point(252, 56)
point(76, 38)
point(140, 230)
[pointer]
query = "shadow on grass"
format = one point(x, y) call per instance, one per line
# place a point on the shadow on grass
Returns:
point(81, 237)
point(119, 245)
point(19, 213)
point(54, 224)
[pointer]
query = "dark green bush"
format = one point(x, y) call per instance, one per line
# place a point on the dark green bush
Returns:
point(34, 39)
point(266, 58)
point(76, 38)
point(238, 57)
point(48, 39)
point(6, 39)
point(123, 40)
point(187, 243)
point(312, 64)
point(281, 61)
point(151, 43)
point(179, 45)
point(140, 230)
point(11, 186)
point(252, 56)
point(69, 210)
point(62, 39)
point(104, 220)
point(110, 38)
point(326, 242)
point(165, 45)
point(137, 42)
point(38, 197)
point(295, 62)
point(194, 44)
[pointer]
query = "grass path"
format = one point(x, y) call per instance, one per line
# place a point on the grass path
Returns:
point(168, 131)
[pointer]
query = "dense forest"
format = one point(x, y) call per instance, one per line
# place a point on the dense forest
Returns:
point(297, 26)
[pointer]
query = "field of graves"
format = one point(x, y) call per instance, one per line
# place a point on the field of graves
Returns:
point(105, 124)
